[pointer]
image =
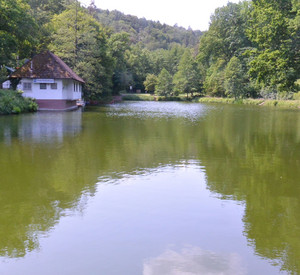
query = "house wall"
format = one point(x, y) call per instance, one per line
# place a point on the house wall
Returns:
point(7, 85)
point(62, 98)
point(71, 89)
point(66, 90)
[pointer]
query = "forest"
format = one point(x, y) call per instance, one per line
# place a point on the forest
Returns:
point(251, 49)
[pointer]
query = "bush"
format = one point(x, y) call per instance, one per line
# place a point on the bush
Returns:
point(168, 98)
point(12, 102)
point(138, 97)
point(296, 96)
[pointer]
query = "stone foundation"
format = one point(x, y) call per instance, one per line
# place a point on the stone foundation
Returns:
point(56, 105)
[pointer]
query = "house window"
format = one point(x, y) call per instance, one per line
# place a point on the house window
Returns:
point(27, 86)
point(53, 86)
point(43, 86)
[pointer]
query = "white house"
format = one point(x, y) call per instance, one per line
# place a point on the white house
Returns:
point(50, 81)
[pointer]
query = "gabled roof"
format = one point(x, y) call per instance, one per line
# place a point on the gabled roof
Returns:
point(46, 65)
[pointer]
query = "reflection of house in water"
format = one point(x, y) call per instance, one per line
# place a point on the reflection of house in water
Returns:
point(49, 127)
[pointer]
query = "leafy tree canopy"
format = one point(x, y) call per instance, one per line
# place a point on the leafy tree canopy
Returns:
point(17, 31)
point(82, 43)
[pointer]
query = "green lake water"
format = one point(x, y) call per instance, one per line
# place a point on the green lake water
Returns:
point(151, 188)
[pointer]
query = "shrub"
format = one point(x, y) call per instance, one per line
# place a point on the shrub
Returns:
point(296, 96)
point(138, 97)
point(12, 102)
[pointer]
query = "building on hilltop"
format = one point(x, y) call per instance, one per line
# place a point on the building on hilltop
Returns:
point(50, 81)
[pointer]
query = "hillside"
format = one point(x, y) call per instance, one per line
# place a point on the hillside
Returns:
point(153, 35)
point(250, 50)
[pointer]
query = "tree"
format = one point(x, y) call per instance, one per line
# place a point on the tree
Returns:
point(271, 71)
point(225, 39)
point(139, 64)
point(82, 43)
point(274, 63)
point(226, 34)
point(214, 79)
point(150, 83)
point(187, 78)
point(118, 45)
point(295, 28)
point(269, 23)
point(43, 10)
point(235, 79)
point(164, 85)
point(3, 75)
point(172, 58)
point(17, 31)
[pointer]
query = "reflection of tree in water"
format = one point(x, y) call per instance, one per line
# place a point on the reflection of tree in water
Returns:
point(261, 168)
point(251, 156)
point(39, 180)
point(35, 192)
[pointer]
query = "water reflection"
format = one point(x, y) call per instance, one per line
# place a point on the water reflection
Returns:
point(249, 155)
point(42, 127)
point(39, 181)
point(161, 110)
point(194, 260)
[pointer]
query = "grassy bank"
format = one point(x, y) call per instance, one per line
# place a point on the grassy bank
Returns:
point(138, 97)
point(149, 97)
point(294, 104)
point(12, 102)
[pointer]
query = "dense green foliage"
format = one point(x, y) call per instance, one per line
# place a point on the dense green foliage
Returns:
point(153, 35)
point(12, 102)
point(250, 50)
point(188, 78)
point(18, 30)
point(150, 83)
point(164, 85)
point(83, 46)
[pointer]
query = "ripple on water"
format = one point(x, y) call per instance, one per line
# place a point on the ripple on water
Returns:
point(160, 110)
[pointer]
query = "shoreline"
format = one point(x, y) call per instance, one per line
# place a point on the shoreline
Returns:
point(289, 104)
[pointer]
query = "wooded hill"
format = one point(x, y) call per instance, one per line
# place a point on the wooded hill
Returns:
point(153, 35)
point(252, 49)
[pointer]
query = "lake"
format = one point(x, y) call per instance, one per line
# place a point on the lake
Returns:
point(151, 188)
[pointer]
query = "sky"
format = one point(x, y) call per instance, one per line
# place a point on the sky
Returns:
point(188, 13)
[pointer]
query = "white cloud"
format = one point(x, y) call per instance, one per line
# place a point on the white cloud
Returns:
point(193, 260)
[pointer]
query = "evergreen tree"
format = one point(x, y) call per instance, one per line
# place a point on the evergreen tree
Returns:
point(234, 79)
point(164, 84)
point(214, 79)
point(139, 65)
point(118, 47)
point(150, 83)
point(187, 78)
point(82, 43)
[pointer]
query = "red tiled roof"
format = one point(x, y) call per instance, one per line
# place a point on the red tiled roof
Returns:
point(46, 65)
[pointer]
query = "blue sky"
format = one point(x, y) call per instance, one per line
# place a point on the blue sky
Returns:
point(193, 13)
